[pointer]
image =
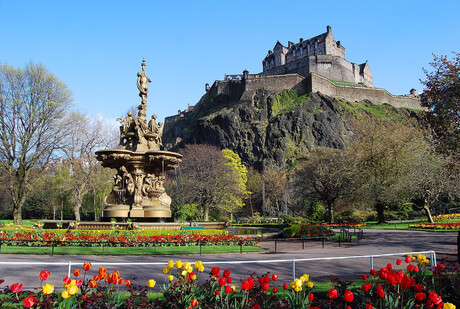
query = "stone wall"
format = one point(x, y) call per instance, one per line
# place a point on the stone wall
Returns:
point(278, 83)
point(320, 84)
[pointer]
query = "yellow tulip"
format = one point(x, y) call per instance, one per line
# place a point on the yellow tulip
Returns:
point(233, 288)
point(170, 264)
point(151, 283)
point(184, 272)
point(198, 264)
point(448, 306)
point(186, 265)
point(194, 277)
point(65, 294)
point(73, 290)
point(298, 283)
point(165, 270)
point(298, 289)
point(305, 278)
point(178, 264)
point(201, 269)
point(48, 289)
point(310, 284)
point(170, 277)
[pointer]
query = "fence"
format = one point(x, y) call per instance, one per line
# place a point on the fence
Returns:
point(292, 262)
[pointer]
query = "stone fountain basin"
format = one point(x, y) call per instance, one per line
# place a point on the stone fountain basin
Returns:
point(158, 160)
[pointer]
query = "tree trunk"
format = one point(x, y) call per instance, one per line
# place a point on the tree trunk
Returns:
point(330, 213)
point(426, 208)
point(379, 207)
point(206, 213)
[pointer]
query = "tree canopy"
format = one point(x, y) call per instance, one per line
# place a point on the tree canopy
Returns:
point(33, 103)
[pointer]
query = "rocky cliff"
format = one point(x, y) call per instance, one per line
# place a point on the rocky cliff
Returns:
point(273, 127)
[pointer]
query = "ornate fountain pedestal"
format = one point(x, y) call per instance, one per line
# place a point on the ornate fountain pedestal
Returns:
point(138, 192)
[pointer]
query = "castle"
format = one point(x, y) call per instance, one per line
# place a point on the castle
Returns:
point(314, 65)
point(321, 55)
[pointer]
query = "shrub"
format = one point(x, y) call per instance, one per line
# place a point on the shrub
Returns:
point(291, 230)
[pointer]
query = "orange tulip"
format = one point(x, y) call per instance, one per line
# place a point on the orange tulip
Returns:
point(86, 266)
point(77, 272)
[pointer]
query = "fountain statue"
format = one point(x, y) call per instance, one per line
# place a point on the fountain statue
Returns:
point(138, 192)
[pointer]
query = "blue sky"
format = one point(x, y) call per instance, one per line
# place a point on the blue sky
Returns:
point(96, 47)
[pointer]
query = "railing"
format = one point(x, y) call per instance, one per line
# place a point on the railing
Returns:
point(292, 262)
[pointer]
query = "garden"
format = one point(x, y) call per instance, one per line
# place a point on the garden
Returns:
point(406, 284)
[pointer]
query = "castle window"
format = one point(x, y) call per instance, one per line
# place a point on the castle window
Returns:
point(301, 50)
point(309, 47)
point(316, 44)
point(294, 52)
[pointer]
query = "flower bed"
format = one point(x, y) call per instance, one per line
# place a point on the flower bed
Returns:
point(410, 286)
point(436, 226)
point(113, 239)
point(314, 230)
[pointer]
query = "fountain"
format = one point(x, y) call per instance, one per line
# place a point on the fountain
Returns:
point(138, 192)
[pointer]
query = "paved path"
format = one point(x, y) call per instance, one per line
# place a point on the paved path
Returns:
point(375, 242)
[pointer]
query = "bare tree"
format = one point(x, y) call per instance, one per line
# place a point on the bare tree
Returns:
point(32, 105)
point(87, 136)
point(324, 175)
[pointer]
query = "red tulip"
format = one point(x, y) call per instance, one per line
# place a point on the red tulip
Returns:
point(364, 277)
point(398, 262)
point(310, 297)
point(76, 272)
point(380, 292)
point(416, 269)
point(229, 280)
point(127, 283)
point(44, 275)
point(369, 306)
point(217, 292)
point(194, 303)
point(86, 266)
point(16, 288)
point(409, 267)
point(228, 289)
point(275, 290)
point(215, 271)
point(266, 279)
point(285, 286)
point(265, 286)
point(408, 259)
point(407, 282)
point(274, 277)
point(332, 294)
point(226, 273)
point(222, 281)
point(373, 272)
point(389, 267)
point(420, 296)
point(366, 287)
point(434, 298)
point(245, 285)
point(92, 284)
point(418, 287)
point(256, 307)
point(348, 296)
point(29, 301)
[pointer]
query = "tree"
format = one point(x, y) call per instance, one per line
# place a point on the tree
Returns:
point(382, 151)
point(236, 180)
point(208, 180)
point(323, 175)
point(254, 187)
point(442, 98)
point(33, 103)
point(86, 137)
point(275, 187)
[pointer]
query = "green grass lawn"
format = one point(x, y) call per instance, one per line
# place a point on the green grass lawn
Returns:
point(128, 250)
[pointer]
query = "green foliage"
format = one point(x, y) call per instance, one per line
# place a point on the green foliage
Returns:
point(234, 198)
point(37, 206)
point(291, 231)
point(286, 101)
point(315, 211)
point(187, 211)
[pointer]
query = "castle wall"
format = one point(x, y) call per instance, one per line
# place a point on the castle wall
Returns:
point(318, 83)
point(273, 83)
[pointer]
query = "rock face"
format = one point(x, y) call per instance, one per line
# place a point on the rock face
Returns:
point(272, 128)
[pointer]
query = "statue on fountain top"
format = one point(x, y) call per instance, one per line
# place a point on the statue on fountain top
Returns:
point(135, 133)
